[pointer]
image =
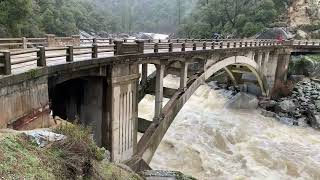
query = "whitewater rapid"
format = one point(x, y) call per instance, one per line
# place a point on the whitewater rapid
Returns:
point(208, 141)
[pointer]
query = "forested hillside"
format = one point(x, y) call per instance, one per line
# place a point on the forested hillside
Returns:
point(238, 18)
point(185, 18)
point(66, 17)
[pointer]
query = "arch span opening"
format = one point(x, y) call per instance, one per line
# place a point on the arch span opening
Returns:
point(243, 61)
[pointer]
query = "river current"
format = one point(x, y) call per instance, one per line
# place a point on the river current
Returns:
point(208, 141)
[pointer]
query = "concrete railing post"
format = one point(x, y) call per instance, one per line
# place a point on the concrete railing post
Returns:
point(6, 61)
point(94, 41)
point(307, 43)
point(51, 40)
point(140, 44)
point(76, 40)
point(178, 40)
point(159, 40)
point(221, 44)
point(156, 48)
point(213, 44)
point(69, 56)
point(117, 47)
point(204, 46)
point(183, 47)
point(228, 44)
point(94, 51)
point(41, 54)
point(24, 43)
point(234, 44)
point(299, 43)
point(255, 44)
point(149, 41)
point(240, 44)
point(110, 41)
point(170, 47)
point(246, 44)
point(194, 46)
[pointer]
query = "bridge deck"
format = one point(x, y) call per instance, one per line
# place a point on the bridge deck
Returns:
point(20, 63)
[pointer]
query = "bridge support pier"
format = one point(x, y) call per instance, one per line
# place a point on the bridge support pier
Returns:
point(144, 75)
point(260, 58)
point(119, 125)
point(265, 63)
point(282, 67)
point(183, 75)
point(159, 91)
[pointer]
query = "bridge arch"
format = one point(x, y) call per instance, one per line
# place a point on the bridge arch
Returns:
point(244, 61)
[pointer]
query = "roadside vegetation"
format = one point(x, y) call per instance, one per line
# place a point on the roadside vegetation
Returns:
point(76, 157)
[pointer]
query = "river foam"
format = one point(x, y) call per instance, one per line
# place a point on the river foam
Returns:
point(208, 141)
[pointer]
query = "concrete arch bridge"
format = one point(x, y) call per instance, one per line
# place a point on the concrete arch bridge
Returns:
point(102, 84)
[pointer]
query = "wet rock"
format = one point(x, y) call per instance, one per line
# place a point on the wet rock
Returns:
point(286, 120)
point(268, 113)
point(243, 101)
point(311, 106)
point(315, 121)
point(317, 104)
point(268, 105)
point(302, 122)
point(286, 106)
point(297, 78)
point(164, 175)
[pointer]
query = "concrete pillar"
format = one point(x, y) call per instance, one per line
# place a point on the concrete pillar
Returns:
point(24, 43)
point(271, 69)
point(159, 91)
point(118, 47)
point(260, 57)
point(144, 74)
point(265, 63)
point(282, 66)
point(119, 124)
point(183, 75)
point(76, 40)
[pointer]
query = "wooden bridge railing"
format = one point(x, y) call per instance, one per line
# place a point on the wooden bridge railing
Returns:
point(41, 55)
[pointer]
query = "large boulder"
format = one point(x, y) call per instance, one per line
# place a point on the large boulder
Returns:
point(301, 35)
point(286, 106)
point(243, 101)
point(315, 121)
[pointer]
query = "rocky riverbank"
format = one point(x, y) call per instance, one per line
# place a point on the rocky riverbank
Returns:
point(302, 108)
